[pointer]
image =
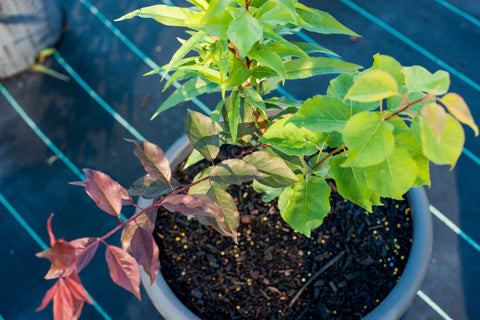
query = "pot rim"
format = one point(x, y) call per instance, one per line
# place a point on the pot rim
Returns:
point(392, 307)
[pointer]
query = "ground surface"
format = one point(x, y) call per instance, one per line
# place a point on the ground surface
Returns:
point(33, 180)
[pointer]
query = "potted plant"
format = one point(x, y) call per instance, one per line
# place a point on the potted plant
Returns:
point(26, 28)
point(370, 136)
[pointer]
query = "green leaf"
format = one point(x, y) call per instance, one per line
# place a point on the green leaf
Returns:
point(435, 117)
point(321, 22)
point(276, 12)
point(189, 90)
point(167, 15)
point(394, 176)
point(446, 149)
point(305, 68)
point(390, 65)
point(339, 87)
point(255, 100)
point(238, 75)
point(223, 59)
point(229, 212)
point(372, 86)
point(290, 139)
point(351, 182)
point(393, 103)
point(194, 157)
point(234, 171)
point(208, 73)
point(214, 26)
point(296, 163)
point(244, 31)
point(459, 109)
point(183, 50)
point(270, 193)
point(285, 43)
point(304, 204)
point(279, 173)
point(407, 138)
point(233, 107)
point(202, 133)
point(418, 78)
point(369, 139)
point(322, 114)
point(268, 58)
point(202, 4)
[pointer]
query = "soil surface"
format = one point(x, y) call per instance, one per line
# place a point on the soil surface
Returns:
point(343, 271)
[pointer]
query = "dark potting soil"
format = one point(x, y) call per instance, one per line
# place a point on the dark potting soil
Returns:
point(347, 267)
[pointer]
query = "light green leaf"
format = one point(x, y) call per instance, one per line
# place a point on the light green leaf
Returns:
point(167, 15)
point(459, 109)
point(194, 158)
point(223, 59)
point(418, 78)
point(202, 4)
point(283, 42)
point(394, 176)
point(296, 163)
point(255, 100)
point(270, 193)
point(446, 149)
point(276, 12)
point(304, 68)
point(189, 90)
point(322, 114)
point(244, 31)
point(435, 117)
point(369, 139)
point(310, 48)
point(279, 173)
point(304, 204)
point(235, 171)
point(268, 58)
point(183, 50)
point(233, 107)
point(290, 139)
point(202, 134)
point(393, 103)
point(351, 182)
point(373, 86)
point(214, 26)
point(321, 22)
point(206, 72)
point(390, 65)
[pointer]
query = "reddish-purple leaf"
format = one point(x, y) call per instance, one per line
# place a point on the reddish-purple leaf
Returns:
point(84, 256)
point(76, 288)
point(62, 256)
point(153, 159)
point(50, 232)
point(108, 194)
point(145, 251)
point(150, 187)
point(77, 308)
point(62, 302)
point(192, 204)
point(145, 220)
point(124, 270)
point(48, 296)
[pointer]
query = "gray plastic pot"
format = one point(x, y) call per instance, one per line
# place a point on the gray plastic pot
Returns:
point(392, 307)
point(26, 28)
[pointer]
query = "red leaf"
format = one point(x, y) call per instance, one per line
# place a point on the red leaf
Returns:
point(108, 194)
point(145, 220)
point(124, 270)
point(48, 296)
point(50, 232)
point(153, 159)
point(77, 308)
point(145, 251)
point(76, 288)
point(62, 302)
point(197, 205)
point(84, 257)
point(62, 256)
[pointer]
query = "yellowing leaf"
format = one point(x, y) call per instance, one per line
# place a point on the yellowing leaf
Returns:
point(372, 86)
point(435, 116)
point(459, 109)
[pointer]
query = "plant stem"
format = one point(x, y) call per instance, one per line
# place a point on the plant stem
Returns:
point(400, 110)
point(316, 165)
